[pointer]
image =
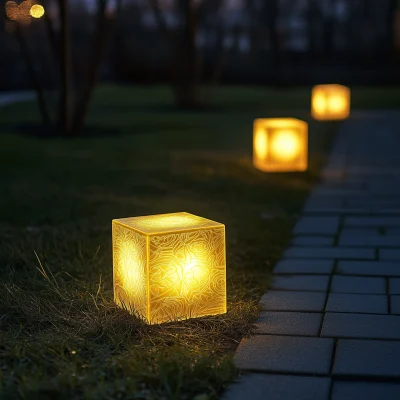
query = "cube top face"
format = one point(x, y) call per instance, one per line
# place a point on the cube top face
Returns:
point(166, 223)
point(280, 144)
point(173, 274)
point(330, 102)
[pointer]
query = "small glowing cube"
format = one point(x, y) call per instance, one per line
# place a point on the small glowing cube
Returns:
point(330, 102)
point(280, 144)
point(169, 267)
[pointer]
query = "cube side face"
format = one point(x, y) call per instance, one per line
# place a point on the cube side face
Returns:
point(330, 102)
point(260, 144)
point(284, 147)
point(187, 275)
point(130, 264)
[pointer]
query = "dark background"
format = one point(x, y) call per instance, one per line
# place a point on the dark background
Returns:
point(280, 42)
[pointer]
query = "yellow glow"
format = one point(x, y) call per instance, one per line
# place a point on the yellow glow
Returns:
point(261, 144)
point(163, 223)
point(280, 144)
point(170, 272)
point(330, 102)
point(336, 103)
point(319, 103)
point(285, 145)
point(37, 11)
point(130, 273)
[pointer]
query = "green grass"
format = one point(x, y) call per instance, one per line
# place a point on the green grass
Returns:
point(61, 335)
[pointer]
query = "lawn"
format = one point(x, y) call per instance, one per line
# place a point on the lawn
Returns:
point(62, 337)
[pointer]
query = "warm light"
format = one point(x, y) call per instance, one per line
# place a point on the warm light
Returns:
point(261, 144)
point(37, 11)
point(285, 145)
point(170, 266)
point(330, 102)
point(280, 144)
point(12, 10)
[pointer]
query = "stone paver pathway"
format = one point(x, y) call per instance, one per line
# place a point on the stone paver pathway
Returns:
point(331, 325)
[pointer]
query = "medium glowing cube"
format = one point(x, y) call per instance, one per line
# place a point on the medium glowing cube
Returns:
point(280, 144)
point(170, 266)
point(330, 102)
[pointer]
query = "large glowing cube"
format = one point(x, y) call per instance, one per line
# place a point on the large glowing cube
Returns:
point(169, 267)
point(280, 144)
point(330, 102)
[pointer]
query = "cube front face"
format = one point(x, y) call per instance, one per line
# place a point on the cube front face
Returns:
point(330, 102)
point(181, 272)
point(280, 144)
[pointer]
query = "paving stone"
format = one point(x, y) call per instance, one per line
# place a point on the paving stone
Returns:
point(355, 284)
point(394, 286)
point(275, 300)
point(318, 225)
point(367, 358)
point(392, 232)
point(316, 202)
point(395, 304)
point(371, 268)
point(358, 253)
point(291, 266)
point(285, 354)
point(365, 391)
point(357, 303)
point(313, 241)
point(379, 241)
point(289, 323)
point(372, 221)
point(336, 191)
point(278, 387)
point(389, 254)
point(300, 282)
point(364, 232)
point(361, 326)
point(338, 211)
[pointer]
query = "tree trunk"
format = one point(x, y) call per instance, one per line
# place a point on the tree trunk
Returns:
point(44, 111)
point(390, 28)
point(100, 35)
point(186, 88)
point(328, 32)
point(65, 120)
point(276, 51)
point(312, 15)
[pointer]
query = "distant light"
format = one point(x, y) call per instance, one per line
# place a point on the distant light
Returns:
point(330, 102)
point(37, 11)
point(280, 144)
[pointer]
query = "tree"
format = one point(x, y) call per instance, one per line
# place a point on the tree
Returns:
point(73, 95)
point(391, 17)
point(186, 72)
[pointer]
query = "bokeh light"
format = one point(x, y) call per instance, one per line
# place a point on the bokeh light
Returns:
point(37, 11)
point(12, 10)
point(24, 12)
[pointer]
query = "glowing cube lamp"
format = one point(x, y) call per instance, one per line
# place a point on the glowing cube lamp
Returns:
point(330, 102)
point(169, 266)
point(280, 144)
